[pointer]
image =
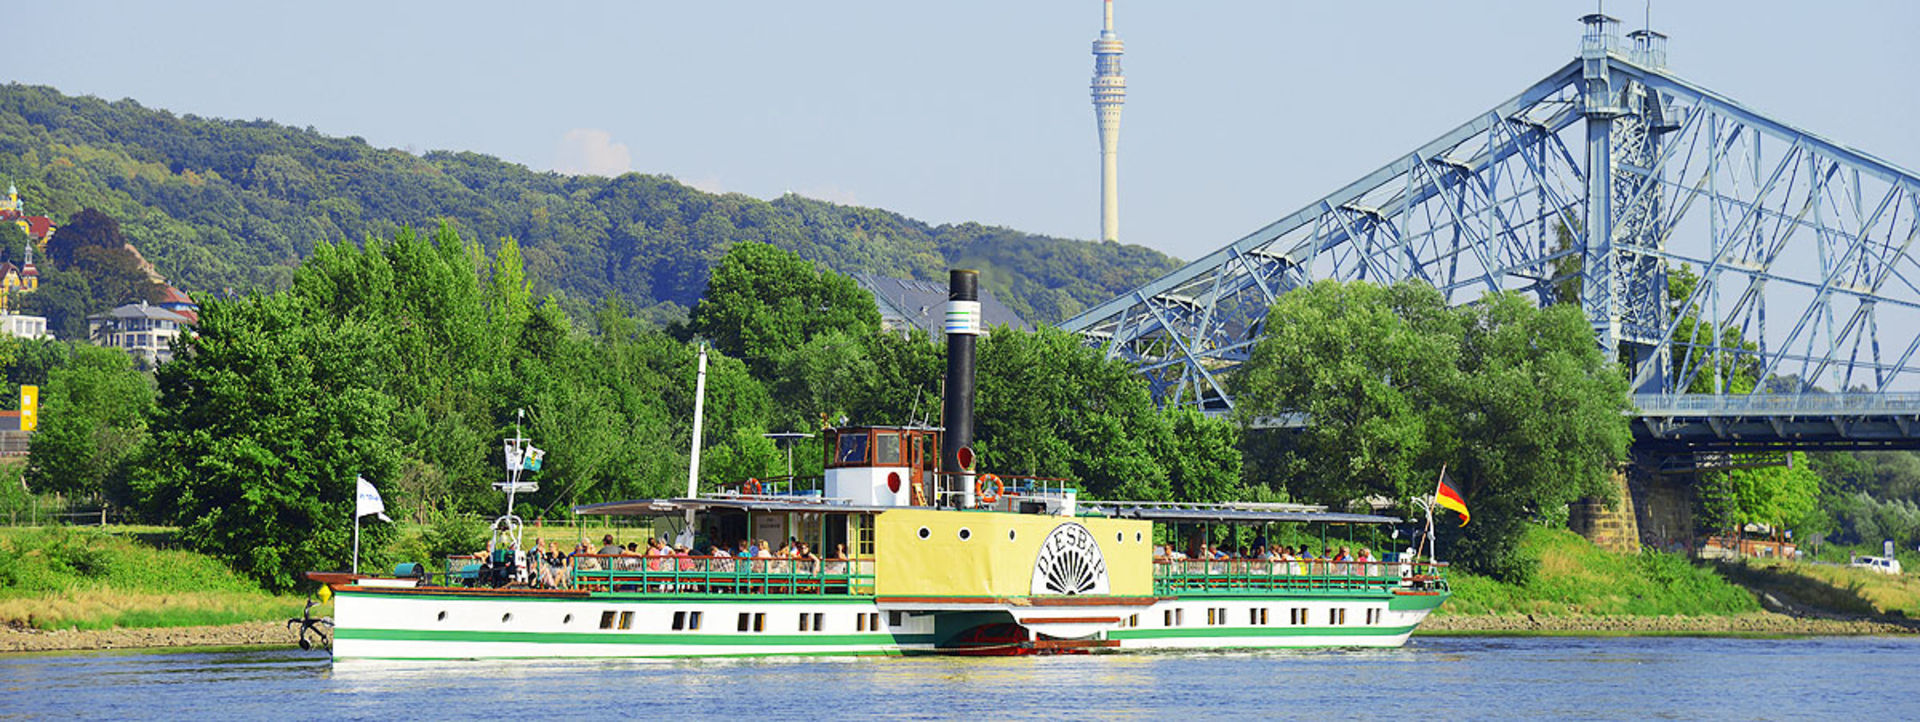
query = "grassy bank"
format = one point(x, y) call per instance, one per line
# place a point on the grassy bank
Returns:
point(1576, 578)
point(90, 578)
point(1831, 587)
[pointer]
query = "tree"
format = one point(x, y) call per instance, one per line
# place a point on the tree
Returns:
point(266, 420)
point(1513, 400)
point(64, 298)
point(1048, 405)
point(93, 417)
point(762, 303)
point(1785, 497)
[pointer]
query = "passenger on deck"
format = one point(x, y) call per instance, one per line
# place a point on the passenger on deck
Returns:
point(806, 562)
point(655, 551)
point(837, 563)
point(608, 548)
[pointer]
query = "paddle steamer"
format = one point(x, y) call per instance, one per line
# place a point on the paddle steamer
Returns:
point(918, 553)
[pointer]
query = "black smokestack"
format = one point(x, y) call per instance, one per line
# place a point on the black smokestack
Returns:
point(963, 325)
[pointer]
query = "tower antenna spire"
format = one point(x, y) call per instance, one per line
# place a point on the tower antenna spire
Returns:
point(1109, 93)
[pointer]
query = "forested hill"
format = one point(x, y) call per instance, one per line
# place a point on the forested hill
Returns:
point(221, 204)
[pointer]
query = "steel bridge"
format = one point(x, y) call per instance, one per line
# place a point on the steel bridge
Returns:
point(1593, 185)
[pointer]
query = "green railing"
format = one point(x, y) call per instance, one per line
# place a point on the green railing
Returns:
point(721, 575)
point(1172, 576)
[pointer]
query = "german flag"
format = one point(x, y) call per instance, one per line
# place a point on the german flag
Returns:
point(1447, 497)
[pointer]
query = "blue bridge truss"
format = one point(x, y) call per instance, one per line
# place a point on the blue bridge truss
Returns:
point(1595, 184)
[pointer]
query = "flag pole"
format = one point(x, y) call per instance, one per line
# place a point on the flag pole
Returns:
point(356, 527)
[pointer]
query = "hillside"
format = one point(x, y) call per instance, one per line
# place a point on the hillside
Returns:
point(222, 204)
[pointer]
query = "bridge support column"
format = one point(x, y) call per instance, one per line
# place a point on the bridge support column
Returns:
point(1613, 527)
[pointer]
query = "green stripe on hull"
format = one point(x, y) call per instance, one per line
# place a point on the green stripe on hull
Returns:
point(1411, 602)
point(718, 640)
point(1260, 632)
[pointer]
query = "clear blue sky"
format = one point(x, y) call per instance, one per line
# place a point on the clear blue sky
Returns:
point(1238, 112)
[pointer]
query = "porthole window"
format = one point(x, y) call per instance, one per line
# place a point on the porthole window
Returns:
point(508, 617)
point(925, 532)
point(441, 617)
point(1137, 536)
point(965, 533)
point(1011, 535)
point(1119, 537)
point(567, 620)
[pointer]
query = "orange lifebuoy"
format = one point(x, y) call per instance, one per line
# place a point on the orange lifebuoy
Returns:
point(990, 495)
point(751, 488)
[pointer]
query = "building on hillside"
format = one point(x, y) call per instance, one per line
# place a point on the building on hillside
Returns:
point(16, 280)
point(19, 325)
point(37, 228)
point(177, 301)
point(906, 304)
point(145, 331)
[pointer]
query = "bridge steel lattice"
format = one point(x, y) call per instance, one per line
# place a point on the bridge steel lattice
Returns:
point(1596, 182)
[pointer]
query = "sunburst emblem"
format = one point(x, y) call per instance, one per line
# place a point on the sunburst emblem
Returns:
point(1070, 563)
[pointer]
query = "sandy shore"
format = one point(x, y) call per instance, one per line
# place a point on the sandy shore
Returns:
point(276, 634)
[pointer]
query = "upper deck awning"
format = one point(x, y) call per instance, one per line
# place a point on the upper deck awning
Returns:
point(669, 507)
point(1231, 515)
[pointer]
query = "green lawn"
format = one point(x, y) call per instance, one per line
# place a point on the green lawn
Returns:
point(1577, 578)
point(93, 578)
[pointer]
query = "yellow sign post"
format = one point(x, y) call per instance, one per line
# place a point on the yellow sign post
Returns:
point(29, 407)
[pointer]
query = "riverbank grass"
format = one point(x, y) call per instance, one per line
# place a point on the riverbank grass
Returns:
point(91, 578)
point(1576, 578)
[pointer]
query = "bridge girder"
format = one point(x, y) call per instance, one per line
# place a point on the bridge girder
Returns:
point(1802, 245)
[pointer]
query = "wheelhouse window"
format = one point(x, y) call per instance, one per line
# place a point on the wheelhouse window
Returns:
point(886, 449)
point(852, 449)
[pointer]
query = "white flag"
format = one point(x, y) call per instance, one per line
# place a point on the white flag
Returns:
point(368, 500)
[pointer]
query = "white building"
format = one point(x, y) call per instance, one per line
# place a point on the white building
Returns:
point(23, 326)
point(146, 332)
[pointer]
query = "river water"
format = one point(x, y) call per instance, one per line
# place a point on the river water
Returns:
point(1437, 677)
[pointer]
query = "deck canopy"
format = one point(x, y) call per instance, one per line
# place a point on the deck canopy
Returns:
point(1230, 514)
point(670, 507)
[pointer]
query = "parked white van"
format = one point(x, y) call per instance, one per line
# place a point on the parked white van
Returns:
point(1883, 565)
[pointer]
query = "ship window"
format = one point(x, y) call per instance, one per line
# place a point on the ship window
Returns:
point(873, 621)
point(759, 621)
point(853, 449)
point(746, 621)
point(626, 620)
point(886, 449)
point(1011, 535)
point(925, 532)
point(1133, 620)
point(693, 621)
point(606, 620)
point(442, 617)
point(1373, 616)
point(1336, 616)
point(859, 622)
point(508, 617)
point(1168, 622)
point(567, 620)
point(819, 621)
point(679, 621)
point(806, 622)
point(896, 618)
point(1137, 536)
point(1119, 537)
point(965, 533)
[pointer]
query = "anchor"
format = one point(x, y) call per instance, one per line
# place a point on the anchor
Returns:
point(309, 623)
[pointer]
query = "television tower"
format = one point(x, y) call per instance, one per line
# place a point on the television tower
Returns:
point(1109, 93)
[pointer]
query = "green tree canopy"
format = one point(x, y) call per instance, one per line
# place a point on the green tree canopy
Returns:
point(1513, 400)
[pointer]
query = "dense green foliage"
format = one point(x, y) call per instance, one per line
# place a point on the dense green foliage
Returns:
point(93, 410)
point(1512, 400)
point(219, 204)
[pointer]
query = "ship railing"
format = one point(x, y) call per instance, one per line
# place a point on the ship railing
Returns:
point(721, 575)
point(798, 488)
point(1294, 576)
